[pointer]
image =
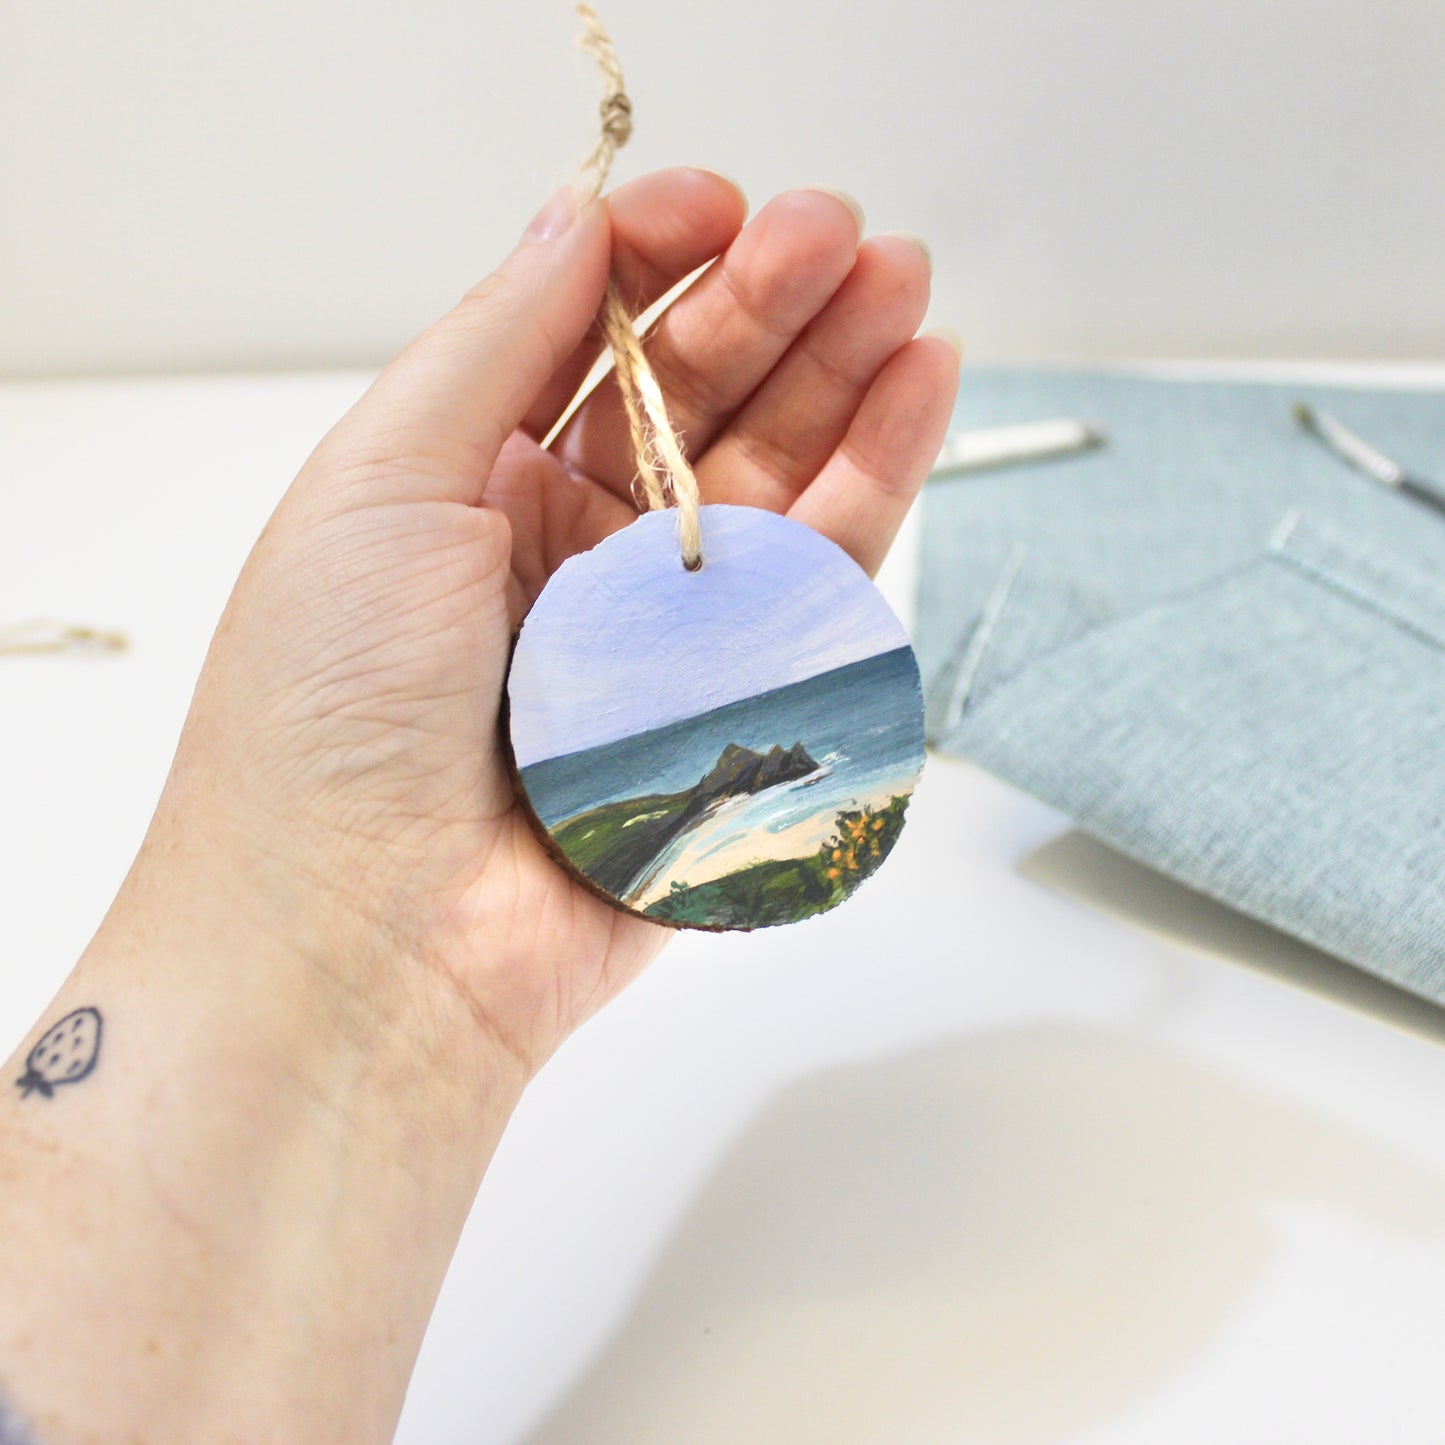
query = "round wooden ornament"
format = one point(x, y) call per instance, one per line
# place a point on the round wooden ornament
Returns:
point(727, 748)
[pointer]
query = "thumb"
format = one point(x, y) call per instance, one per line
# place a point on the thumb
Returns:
point(457, 392)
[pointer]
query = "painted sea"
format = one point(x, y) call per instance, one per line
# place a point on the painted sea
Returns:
point(764, 810)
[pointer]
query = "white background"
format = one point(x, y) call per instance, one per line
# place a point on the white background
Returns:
point(288, 183)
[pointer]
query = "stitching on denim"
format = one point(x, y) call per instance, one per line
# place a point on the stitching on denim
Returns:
point(967, 653)
point(981, 637)
point(1417, 605)
point(935, 702)
point(1288, 525)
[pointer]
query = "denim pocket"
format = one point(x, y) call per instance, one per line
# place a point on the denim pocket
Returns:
point(1272, 737)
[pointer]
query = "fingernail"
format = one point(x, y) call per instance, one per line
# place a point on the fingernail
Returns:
point(731, 180)
point(846, 199)
point(916, 241)
point(556, 216)
point(944, 333)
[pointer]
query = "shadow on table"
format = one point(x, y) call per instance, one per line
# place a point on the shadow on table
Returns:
point(1010, 1238)
point(1083, 868)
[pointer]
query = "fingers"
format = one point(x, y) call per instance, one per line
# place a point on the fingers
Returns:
point(432, 424)
point(721, 339)
point(791, 425)
point(553, 513)
point(664, 226)
point(864, 490)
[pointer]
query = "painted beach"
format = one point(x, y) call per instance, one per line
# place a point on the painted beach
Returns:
point(840, 746)
point(782, 787)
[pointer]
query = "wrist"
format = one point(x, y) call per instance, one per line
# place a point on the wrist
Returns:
point(266, 1173)
point(212, 916)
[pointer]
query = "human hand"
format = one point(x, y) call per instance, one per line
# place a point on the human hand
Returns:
point(342, 951)
point(344, 737)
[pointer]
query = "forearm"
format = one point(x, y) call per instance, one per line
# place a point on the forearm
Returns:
point(234, 1227)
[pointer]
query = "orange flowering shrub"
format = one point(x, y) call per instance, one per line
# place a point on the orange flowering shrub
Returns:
point(860, 844)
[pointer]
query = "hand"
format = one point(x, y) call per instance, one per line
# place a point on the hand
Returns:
point(344, 734)
point(341, 951)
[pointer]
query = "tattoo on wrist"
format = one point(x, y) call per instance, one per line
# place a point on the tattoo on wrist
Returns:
point(66, 1054)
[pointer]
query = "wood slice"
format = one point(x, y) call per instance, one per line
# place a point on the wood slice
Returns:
point(731, 748)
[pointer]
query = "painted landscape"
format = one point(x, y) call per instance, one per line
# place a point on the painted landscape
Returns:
point(761, 812)
point(732, 747)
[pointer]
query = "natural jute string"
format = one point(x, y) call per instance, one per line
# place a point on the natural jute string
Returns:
point(22, 639)
point(664, 477)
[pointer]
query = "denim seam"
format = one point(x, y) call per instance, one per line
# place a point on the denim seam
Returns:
point(997, 697)
point(1292, 544)
point(981, 637)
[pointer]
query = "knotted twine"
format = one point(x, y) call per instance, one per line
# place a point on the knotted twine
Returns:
point(664, 477)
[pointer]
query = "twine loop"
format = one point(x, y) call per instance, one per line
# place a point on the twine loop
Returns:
point(664, 476)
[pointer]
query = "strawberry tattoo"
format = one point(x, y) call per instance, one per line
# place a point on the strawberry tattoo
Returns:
point(65, 1055)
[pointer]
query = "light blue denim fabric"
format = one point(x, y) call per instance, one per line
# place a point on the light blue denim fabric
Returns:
point(1213, 644)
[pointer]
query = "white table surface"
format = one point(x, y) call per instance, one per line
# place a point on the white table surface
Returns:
point(974, 1159)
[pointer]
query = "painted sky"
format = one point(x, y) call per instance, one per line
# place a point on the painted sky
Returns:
point(624, 639)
